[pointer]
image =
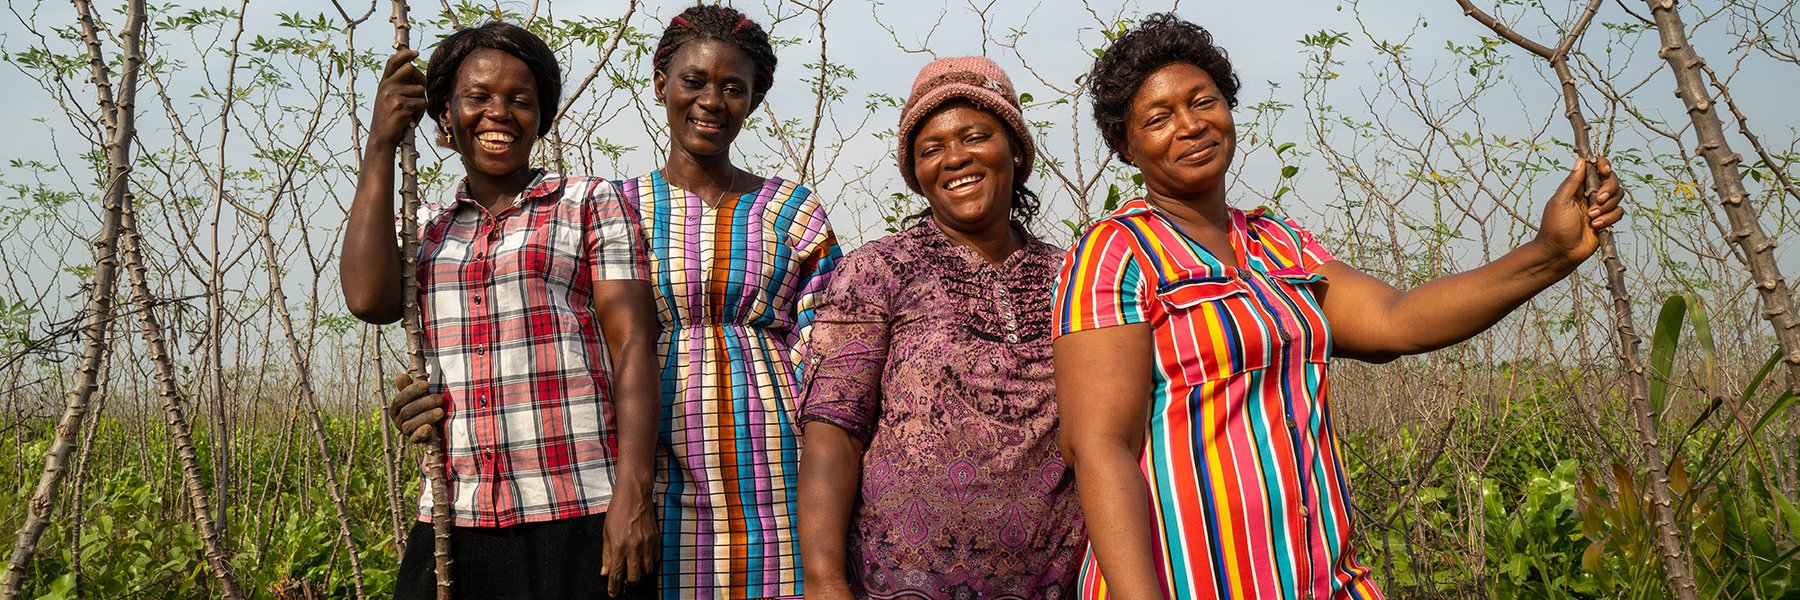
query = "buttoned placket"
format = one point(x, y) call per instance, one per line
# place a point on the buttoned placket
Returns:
point(1287, 328)
point(481, 310)
point(1004, 301)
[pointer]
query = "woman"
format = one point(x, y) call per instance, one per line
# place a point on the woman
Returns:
point(1194, 337)
point(529, 281)
point(931, 468)
point(736, 260)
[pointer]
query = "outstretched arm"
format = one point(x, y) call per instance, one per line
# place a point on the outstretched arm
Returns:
point(1373, 321)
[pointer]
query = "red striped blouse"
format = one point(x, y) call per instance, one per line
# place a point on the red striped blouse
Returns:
point(1240, 455)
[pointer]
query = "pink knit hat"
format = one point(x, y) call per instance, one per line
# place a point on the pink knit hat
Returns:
point(973, 78)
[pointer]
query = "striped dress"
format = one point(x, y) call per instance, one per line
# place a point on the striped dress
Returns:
point(1240, 457)
point(736, 285)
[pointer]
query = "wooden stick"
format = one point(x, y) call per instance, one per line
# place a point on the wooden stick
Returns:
point(100, 297)
point(1746, 224)
point(435, 475)
point(179, 429)
point(1667, 536)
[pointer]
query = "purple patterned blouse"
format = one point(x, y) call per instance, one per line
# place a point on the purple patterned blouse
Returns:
point(940, 363)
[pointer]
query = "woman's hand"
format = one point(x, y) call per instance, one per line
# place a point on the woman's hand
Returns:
point(629, 554)
point(1570, 229)
point(414, 411)
point(399, 100)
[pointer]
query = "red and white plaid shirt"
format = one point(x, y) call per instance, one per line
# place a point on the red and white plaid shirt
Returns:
point(513, 344)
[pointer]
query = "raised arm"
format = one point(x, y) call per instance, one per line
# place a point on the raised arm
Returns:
point(369, 266)
point(1373, 321)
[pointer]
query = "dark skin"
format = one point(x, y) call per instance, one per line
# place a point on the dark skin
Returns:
point(964, 161)
point(492, 121)
point(1180, 135)
point(706, 92)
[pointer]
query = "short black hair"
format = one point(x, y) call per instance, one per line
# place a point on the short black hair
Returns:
point(724, 24)
point(440, 74)
point(1160, 40)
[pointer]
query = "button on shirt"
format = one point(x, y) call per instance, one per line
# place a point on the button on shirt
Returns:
point(513, 343)
point(1240, 457)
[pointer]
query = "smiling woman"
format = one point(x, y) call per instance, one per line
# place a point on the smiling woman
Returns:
point(931, 468)
point(538, 332)
point(737, 261)
point(1194, 340)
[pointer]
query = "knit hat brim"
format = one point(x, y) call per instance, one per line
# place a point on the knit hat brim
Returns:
point(997, 98)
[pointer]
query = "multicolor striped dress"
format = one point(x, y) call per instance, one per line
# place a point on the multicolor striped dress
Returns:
point(736, 284)
point(1240, 456)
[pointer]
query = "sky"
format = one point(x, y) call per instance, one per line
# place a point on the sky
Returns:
point(1263, 39)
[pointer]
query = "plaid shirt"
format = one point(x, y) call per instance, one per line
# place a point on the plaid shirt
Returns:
point(513, 344)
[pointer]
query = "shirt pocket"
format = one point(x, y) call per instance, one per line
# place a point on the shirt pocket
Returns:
point(1230, 331)
point(1300, 308)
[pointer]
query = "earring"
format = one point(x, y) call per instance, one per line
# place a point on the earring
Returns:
point(449, 138)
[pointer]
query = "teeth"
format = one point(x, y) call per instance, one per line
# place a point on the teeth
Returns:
point(495, 137)
point(960, 181)
point(701, 123)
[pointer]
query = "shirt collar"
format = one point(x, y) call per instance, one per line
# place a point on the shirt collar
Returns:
point(545, 184)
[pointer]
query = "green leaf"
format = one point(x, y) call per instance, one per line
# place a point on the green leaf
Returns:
point(1282, 149)
point(1775, 408)
point(1112, 198)
point(1289, 171)
point(1663, 343)
point(1024, 98)
point(1703, 334)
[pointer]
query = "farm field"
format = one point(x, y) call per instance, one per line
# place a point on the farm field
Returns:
point(172, 332)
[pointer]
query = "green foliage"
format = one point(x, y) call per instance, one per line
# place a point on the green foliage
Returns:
point(136, 540)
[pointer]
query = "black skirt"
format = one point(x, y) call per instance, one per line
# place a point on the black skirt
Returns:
point(551, 560)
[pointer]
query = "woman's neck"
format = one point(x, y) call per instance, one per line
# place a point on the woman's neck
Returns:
point(700, 174)
point(1203, 216)
point(1198, 210)
point(994, 244)
point(495, 193)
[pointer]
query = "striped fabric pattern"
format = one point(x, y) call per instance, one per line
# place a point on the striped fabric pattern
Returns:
point(1240, 457)
point(736, 288)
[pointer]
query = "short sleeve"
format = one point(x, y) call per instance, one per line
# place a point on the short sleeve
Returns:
point(1100, 284)
point(848, 346)
point(817, 253)
point(614, 240)
point(1312, 254)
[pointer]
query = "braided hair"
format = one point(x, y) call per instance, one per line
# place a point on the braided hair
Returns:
point(723, 24)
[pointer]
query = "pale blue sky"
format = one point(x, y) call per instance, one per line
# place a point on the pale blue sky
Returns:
point(1262, 38)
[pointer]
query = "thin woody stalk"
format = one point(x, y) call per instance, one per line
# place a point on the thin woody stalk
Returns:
point(435, 475)
point(100, 305)
point(1666, 535)
point(179, 429)
point(1746, 224)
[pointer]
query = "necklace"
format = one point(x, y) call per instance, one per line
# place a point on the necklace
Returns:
point(728, 186)
point(719, 197)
